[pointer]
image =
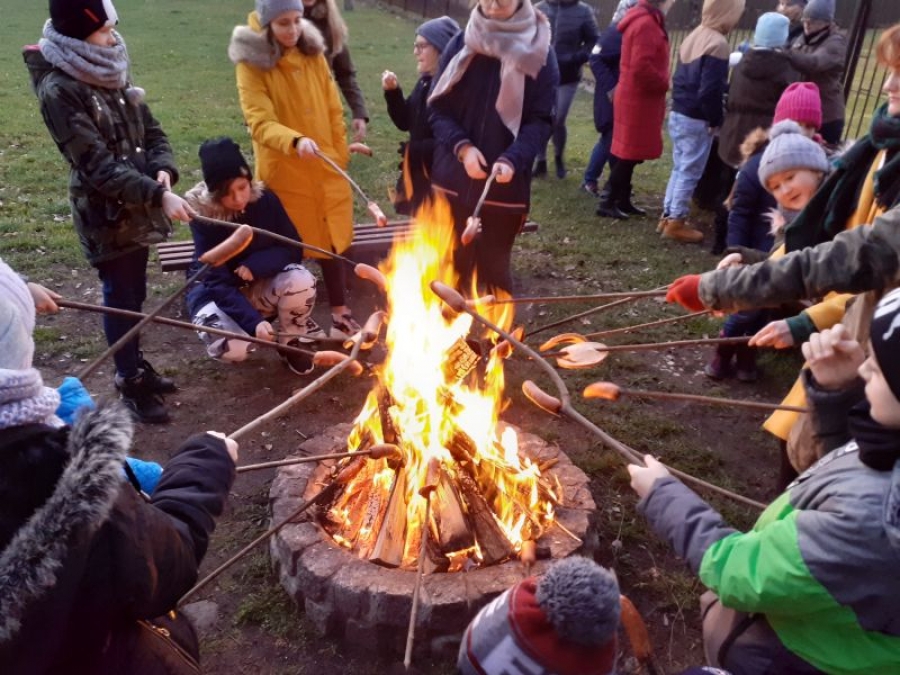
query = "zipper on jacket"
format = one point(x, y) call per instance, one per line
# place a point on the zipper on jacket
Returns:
point(166, 636)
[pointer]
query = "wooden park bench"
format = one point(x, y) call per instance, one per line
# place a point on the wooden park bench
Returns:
point(369, 241)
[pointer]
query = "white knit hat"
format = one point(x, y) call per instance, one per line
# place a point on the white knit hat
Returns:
point(16, 321)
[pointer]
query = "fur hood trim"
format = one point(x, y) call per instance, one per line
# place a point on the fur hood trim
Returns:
point(250, 44)
point(202, 201)
point(81, 502)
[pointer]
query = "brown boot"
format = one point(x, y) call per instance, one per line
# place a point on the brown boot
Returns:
point(661, 225)
point(679, 230)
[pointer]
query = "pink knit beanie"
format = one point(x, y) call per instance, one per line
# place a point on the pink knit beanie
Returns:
point(802, 103)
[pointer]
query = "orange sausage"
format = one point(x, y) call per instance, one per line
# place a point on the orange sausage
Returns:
point(604, 390)
point(540, 398)
point(222, 253)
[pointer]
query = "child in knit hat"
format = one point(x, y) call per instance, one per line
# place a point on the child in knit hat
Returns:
point(90, 569)
point(264, 281)
point(749, 237)
point(813, 586)
point(411, 114)
point(122, 171)
point(563, 623)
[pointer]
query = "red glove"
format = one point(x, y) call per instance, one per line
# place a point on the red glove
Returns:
point(686, 292)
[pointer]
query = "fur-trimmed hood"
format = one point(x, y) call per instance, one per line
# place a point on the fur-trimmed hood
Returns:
point(79, 505)
point(250, 44)
point(755, 141)
point(203, 202)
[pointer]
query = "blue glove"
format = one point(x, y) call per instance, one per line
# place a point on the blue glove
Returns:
point(147, 473)
point(73, 397)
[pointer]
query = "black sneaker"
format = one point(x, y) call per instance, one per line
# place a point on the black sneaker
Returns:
point(299, 364)
point(629, 209)
point(154, 381)
point(145, 404)
point(540, 169)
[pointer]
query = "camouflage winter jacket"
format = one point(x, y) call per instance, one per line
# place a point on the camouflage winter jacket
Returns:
point(114, 149)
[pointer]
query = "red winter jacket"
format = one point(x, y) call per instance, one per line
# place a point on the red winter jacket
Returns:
point(639, 105)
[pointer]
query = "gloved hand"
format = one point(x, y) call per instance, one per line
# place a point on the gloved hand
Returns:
point(146, 473)
point(686, 292)
point(72, 398)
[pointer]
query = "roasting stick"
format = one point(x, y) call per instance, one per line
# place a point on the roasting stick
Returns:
point(611, 392)
point(581, 298)
point(432, 478)
point(581, 315)
point(652, 346)
point(563, 405)
point(375, 452)
point(214, 257)
point(372, 207)
point(649, 324)
point(165, 321)
point(473, 222)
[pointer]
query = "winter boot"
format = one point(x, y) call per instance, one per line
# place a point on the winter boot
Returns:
point(145, 404)
point(153, 380)
point(720, 367)
point(627, 207)
point(560, 167)
point(604, 193)
point(661, 225)
point(745, 359)
point(607, 209)
point(540, 169)
point(299, 364)
point(679, 230)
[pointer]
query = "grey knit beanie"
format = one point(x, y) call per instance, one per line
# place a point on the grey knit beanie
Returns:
point(268, 10)
point(789, 149)
point(438, 32)
point(819, 10)
point(16, 321)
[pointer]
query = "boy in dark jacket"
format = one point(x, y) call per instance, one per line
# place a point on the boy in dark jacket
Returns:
point(121, 172)
point(411, 114)
point(812, 587)
point(267, 279)
point(90, 568)
point(698, 96)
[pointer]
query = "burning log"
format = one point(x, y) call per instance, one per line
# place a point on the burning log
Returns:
point(374, 515)
point(385, 402)
point(493, 543)
point(388, 549)
point(453, 531)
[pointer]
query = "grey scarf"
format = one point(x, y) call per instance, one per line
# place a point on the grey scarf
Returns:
point(521, 44)
point(105, 67)
point(25, 400)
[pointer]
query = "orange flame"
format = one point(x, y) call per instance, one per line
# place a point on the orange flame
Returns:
point(430, 405)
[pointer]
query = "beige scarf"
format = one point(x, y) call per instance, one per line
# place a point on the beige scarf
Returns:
point(521, 44)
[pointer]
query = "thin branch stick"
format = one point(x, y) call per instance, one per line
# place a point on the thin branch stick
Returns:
point(651, 346)
point(581, 315)
point(420, 571)
point(711, 400)
point(300, 460)
point(334, 165)
point(629, 454)
point(484, 193)
point(258, 231)
point(71, 304)
point(89, 369)
point(649, 324)
point(580, 298)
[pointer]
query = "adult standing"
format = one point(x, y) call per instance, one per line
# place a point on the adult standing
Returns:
point(291, 105)
point(793, 11)
point(325, 15)
point(492, 111)
point(120, 177)
point(819, 54)
point(411, 114)
point(574, 34)
point(639, 104)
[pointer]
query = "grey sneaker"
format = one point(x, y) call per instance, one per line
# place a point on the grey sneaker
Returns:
point(345, 327)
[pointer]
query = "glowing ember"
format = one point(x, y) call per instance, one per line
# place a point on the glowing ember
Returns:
point(434, 403)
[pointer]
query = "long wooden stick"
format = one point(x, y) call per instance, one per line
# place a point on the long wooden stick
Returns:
point(651, 346)
point(334, 165)
point(695, 398)
point(649, 324)
point(165, 321)
point(580, 298)
point(563, 405)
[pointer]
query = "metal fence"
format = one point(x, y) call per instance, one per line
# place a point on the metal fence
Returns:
point(862, 19)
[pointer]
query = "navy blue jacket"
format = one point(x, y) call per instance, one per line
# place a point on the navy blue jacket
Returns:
point(604, 63)
point(698, 89)
point(750, 202)
point(264, 257)
point(466, 113)
point(574, 33)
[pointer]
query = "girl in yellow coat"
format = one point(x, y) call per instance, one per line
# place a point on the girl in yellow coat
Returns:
point(290, 102)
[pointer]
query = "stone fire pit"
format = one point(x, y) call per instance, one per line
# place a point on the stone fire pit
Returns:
point(368, 606)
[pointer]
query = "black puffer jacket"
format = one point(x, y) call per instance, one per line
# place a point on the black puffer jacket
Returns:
point(85, 558)
point(574, 34)
point(411, 115)
point(114, 148)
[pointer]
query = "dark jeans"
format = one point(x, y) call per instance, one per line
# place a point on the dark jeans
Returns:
point(124, 287)
point(744, 323)
point(488, 258)
point(334, 274)
point(600, 155)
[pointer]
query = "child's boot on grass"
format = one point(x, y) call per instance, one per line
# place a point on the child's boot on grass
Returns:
point(745, 361)
point(141, 399)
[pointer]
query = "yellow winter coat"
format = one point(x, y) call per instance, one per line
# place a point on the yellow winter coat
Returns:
point(286, 95)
